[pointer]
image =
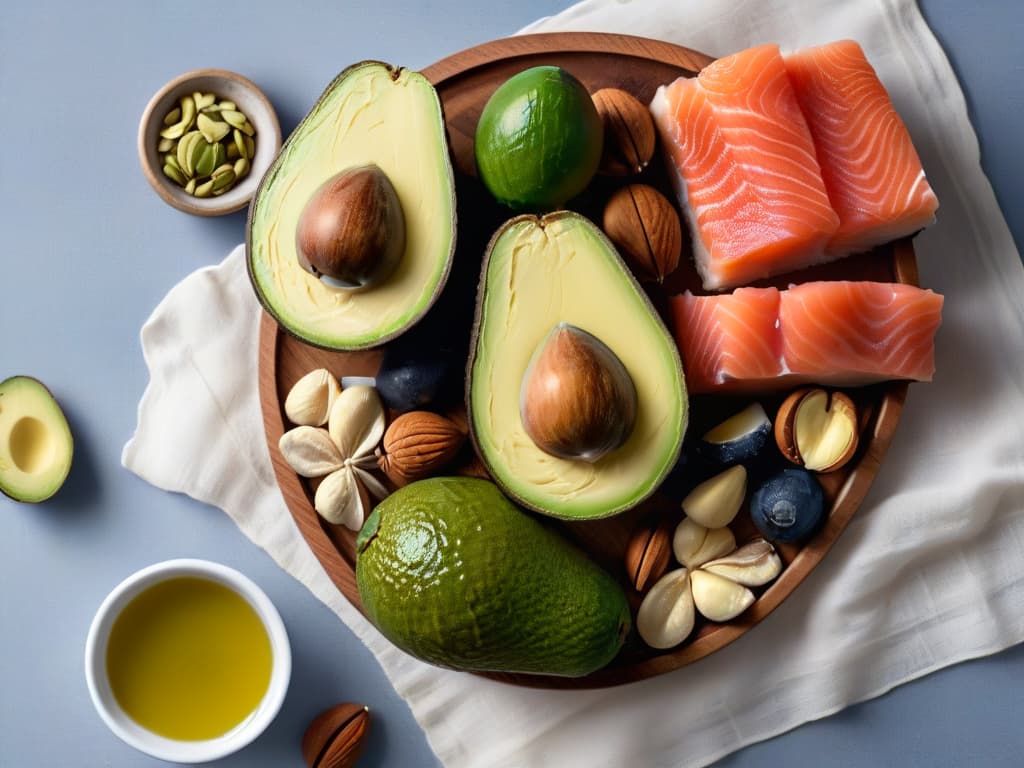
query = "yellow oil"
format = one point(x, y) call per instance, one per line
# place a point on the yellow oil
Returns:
point(188, 659)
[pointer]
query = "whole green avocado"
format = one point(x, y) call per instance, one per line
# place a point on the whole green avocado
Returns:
point(452, 572)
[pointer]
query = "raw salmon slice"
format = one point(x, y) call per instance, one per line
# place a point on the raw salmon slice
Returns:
point(841, 333)
point(872, 172)
point(857, 332)
point(747, 176)
point(728, 338)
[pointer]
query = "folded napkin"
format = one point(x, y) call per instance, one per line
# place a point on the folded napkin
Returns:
point(927, 574)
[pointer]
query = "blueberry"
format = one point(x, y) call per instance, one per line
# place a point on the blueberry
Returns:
point(788, 506)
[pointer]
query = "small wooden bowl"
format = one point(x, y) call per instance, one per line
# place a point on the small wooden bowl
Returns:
point(250, 100)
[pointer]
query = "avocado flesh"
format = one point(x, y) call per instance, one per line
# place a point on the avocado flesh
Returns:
point(370, 114)
point(561, 269)
point(35, 441)
point(453, 573)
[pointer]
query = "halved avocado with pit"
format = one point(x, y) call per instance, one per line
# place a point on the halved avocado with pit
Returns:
point(539, 273)
point(373, 114)
point(35, 441)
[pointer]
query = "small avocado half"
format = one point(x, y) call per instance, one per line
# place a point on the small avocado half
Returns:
point(539, 273)
point(35, 441)
point(372, 114)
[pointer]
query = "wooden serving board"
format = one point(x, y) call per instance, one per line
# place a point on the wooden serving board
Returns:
point(464, 81)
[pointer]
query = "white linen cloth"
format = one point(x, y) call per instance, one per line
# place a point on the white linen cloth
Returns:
point(929, 571)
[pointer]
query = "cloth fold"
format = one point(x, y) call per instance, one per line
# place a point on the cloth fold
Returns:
point(928, 572)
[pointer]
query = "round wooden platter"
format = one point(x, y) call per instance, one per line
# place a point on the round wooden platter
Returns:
point(464, 81)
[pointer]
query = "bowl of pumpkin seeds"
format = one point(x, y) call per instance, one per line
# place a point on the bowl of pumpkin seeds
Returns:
point(206, 139)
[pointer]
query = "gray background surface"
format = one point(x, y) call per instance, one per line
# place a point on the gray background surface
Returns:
point(89, 250)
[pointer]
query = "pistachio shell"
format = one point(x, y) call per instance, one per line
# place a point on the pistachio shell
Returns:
point(752, 565)
point(718, 598)
point(665, 617)
point(310, 451)
point(341, 500)
point(356, 422)
point(693, 544)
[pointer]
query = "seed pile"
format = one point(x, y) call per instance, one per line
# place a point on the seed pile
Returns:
point(206, 144)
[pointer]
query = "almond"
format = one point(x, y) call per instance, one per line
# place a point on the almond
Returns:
point(336, 737)
point(419, 443)
point(648, 553)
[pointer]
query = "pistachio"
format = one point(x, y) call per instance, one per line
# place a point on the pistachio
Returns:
point(309, 401)
point(752, 565)
point(715, 502)
point(717, 597)
point(212, 130)
point(190, 187)
point(666, 616)
point(693, 544)
point(336, 737)
point(645, 228)
point(203, 100)
point(227, 105)
point(234, 119)
point(817, 429)
point(648, 553)
point(204, 190)
point(239, 141)
point(165, 145)
point(174, 174)
point(173, 116)
point(241, 166)
point(222, 177)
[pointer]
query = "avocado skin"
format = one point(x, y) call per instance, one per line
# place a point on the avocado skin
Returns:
point(455, 574)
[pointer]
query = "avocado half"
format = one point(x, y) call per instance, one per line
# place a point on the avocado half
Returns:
point(35, 441)
point(372, 113)
point(537, 273)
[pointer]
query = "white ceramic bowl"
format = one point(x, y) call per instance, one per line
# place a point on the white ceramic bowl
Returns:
point(147, 741)
point(250, 100)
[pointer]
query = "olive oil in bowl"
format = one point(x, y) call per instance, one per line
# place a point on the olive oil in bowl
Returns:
point(188, 659)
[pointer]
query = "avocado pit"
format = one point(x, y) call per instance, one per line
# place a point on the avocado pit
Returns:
point(351, 233)
point(577, 399)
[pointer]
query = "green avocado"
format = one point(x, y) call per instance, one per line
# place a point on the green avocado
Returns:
point(372, 116)
point(453, 573)
point(35, 441)
point(553, 272)
point(539, 138)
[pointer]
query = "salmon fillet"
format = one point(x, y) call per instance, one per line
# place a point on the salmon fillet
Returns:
point(728, 338)
point(746, 171)
point(858, 332)
point(872, 172)
point(842, 333)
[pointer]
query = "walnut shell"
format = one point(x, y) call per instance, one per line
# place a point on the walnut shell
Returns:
point(418, 443)
point(629, 134)
point(645, 227)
